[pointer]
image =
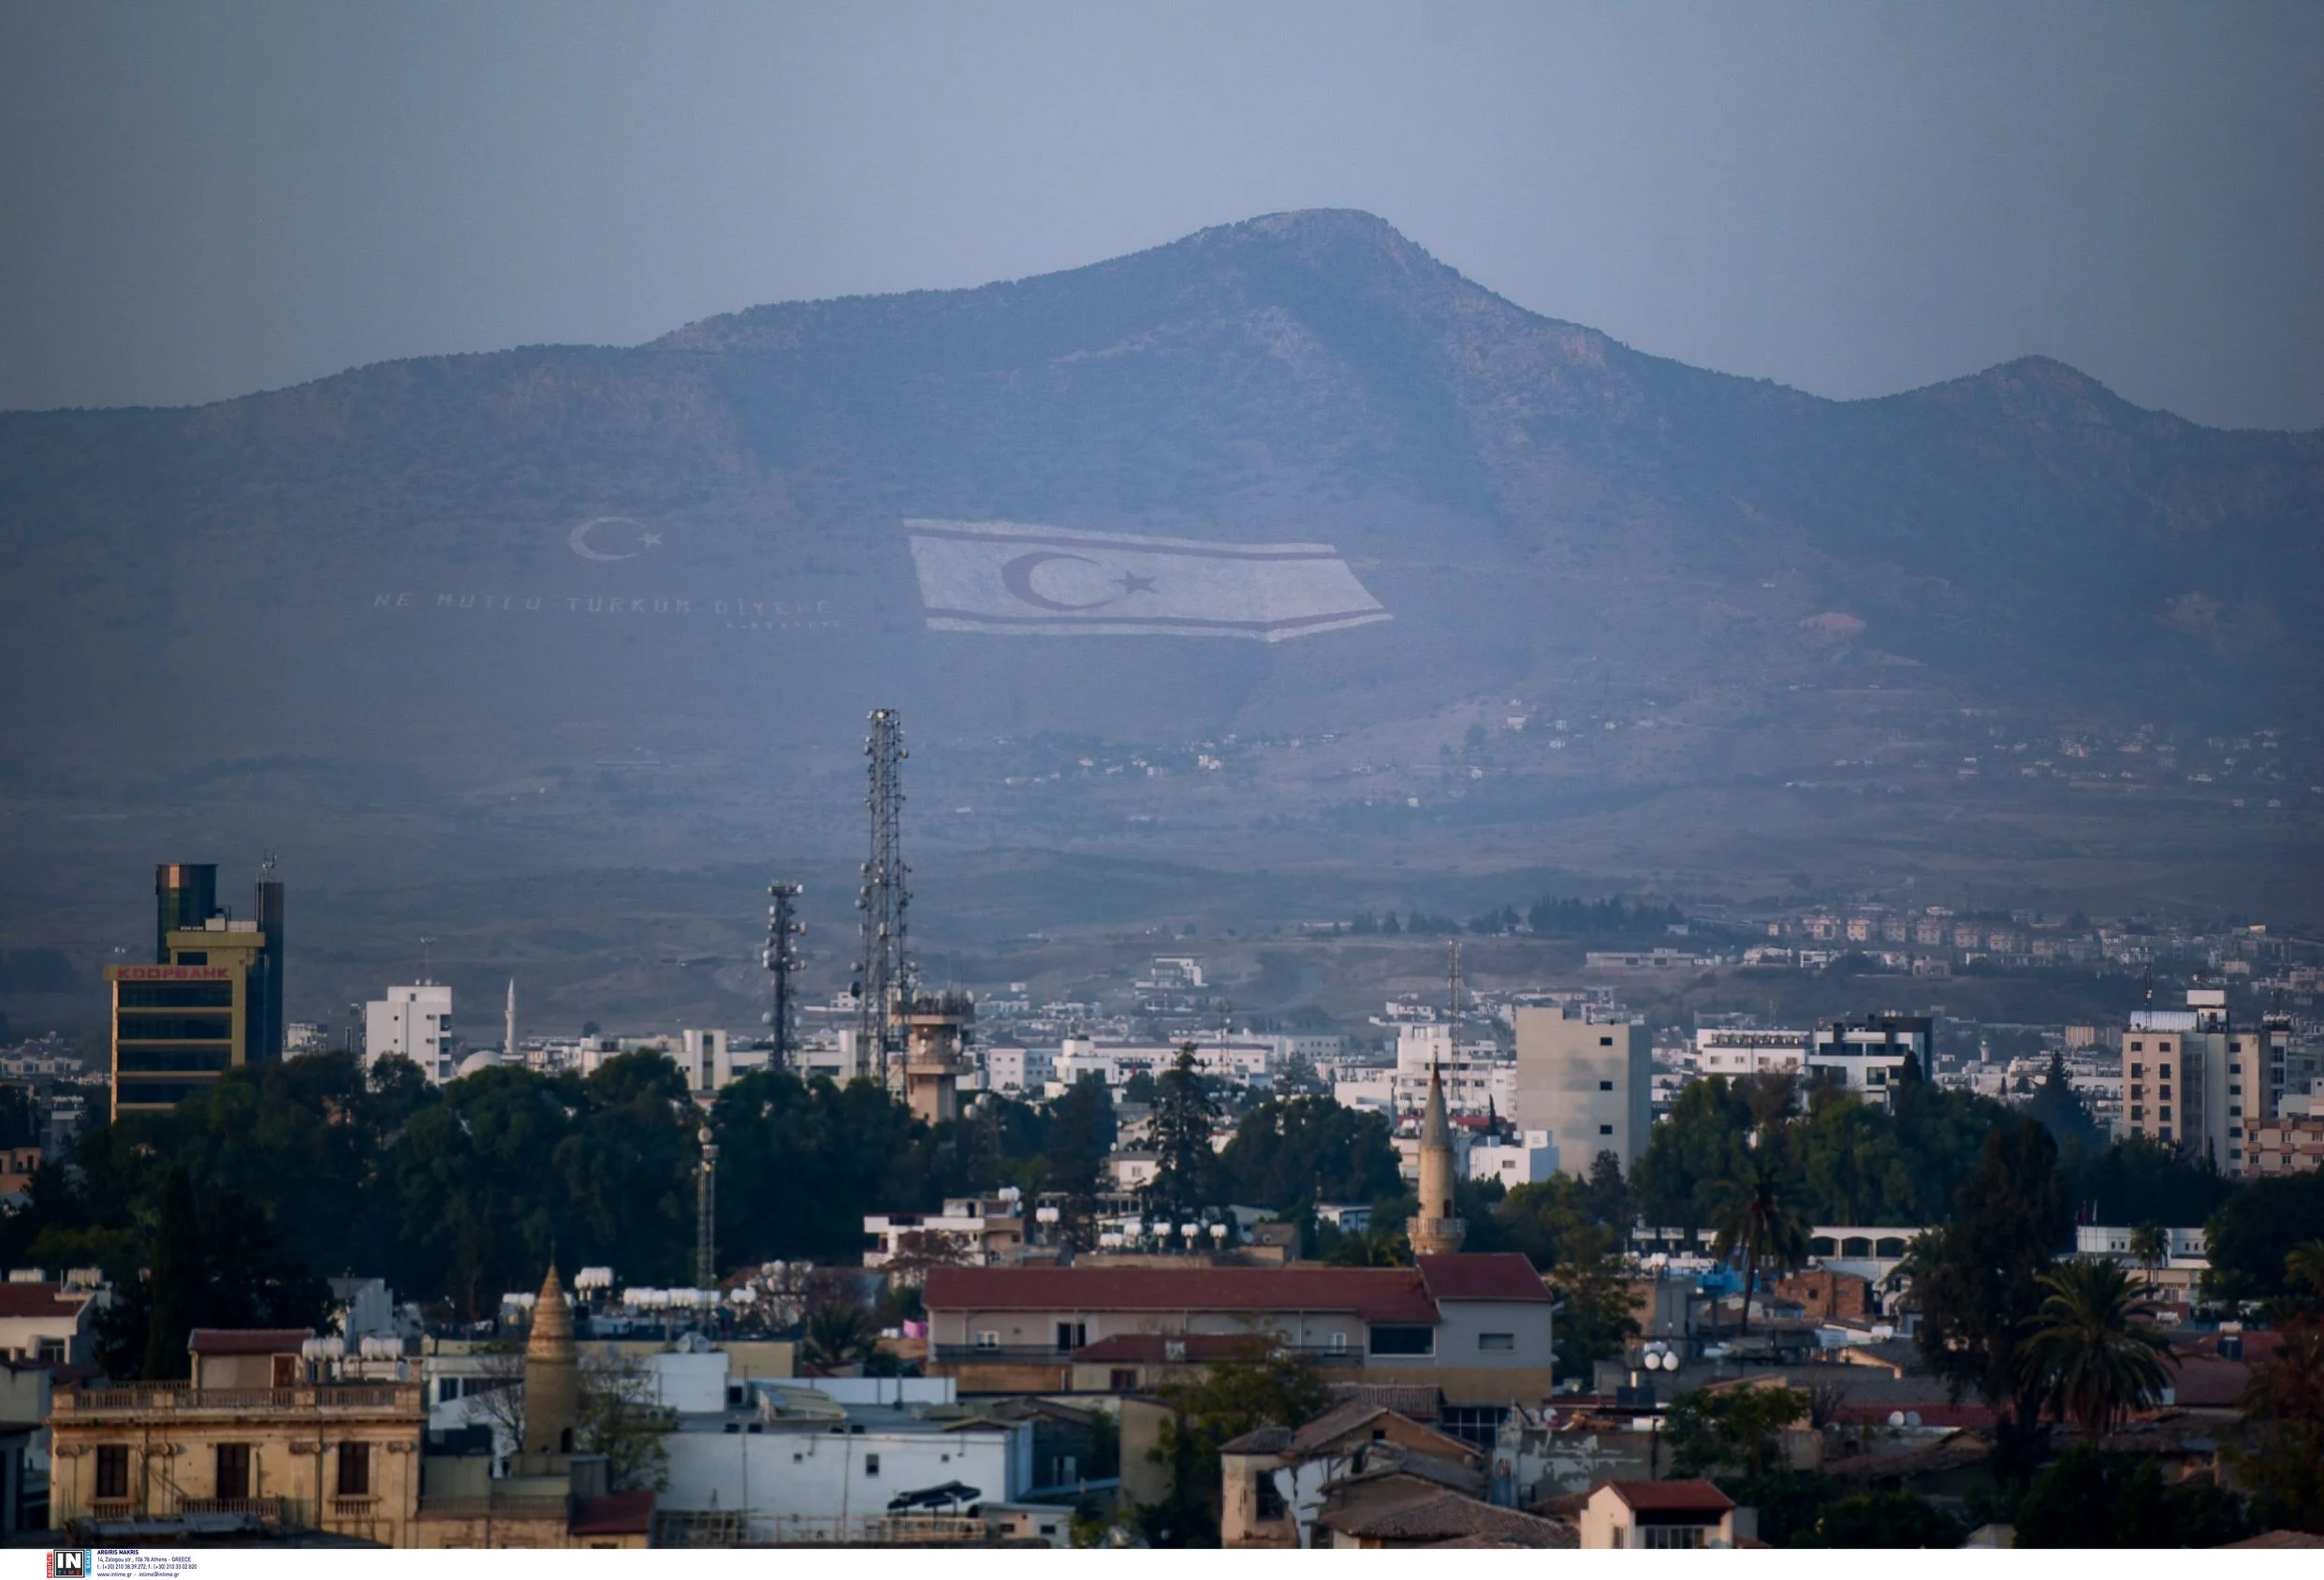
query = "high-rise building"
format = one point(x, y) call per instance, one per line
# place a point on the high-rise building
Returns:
point(2194, 1079)
point(212, 1000)
point(186, 895)
point(1589, 1083)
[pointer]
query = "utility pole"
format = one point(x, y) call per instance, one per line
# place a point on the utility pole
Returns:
point(783, 931)
point(884, 973)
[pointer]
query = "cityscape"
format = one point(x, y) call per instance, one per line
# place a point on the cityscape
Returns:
point(939, 782)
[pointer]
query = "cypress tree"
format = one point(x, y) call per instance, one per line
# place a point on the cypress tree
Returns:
point(178, 1292)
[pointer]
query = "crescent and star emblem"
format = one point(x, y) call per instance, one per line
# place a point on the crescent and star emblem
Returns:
point(578, 539)
point(1018, 576)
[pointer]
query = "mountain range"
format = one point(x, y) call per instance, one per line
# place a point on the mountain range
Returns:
point(659, 586)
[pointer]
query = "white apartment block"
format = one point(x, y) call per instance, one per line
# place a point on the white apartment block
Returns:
point(415, 1023)
point(1725, 1050)
point(1530, 1162)
point(1019, 1069)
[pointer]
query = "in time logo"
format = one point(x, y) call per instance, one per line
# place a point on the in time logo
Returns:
point(69, 1563)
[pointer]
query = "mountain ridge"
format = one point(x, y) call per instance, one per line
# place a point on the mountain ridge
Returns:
point(397, 553)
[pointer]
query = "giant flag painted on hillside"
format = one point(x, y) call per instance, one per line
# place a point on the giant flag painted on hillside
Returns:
point(1008, 578)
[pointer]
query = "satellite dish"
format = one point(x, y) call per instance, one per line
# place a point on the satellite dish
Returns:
point(1912, 1418)
point(1896, 1417)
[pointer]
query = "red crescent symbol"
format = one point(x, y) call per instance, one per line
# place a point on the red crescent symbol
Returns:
point(1018, 576)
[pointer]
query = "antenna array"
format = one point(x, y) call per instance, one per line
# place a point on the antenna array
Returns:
point(884, 973)
point(783, 933)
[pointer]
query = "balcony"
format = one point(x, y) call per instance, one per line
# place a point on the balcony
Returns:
point(183, 1398)
point(260, 1511)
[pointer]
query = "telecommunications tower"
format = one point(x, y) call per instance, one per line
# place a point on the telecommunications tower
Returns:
point(884, 975)
point(783, 929)
point(705, 1215)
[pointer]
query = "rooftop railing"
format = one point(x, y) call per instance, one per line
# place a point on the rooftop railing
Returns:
point(181, 1399)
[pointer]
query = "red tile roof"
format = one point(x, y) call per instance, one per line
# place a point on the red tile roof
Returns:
point(1494, 1276)
point(1374, 1293)
point(248, 1340)
point(619, 1514)
point(1671, 1497)
point(39, 1300)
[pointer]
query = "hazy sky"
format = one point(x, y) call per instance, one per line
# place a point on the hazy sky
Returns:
point(203, 199)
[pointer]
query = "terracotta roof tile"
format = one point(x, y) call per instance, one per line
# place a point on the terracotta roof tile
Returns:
point(1373, 1293)
point(1483, 1276)
point(20, 1300)
point(1671, 1497)
point(1450, 1516)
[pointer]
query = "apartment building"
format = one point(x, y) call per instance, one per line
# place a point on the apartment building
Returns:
point(1587, 1082)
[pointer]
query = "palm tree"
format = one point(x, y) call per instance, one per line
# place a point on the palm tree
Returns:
point(838, 1336)
point(2086, 1356)
point(2303, 1265)
point(2150, 1247)
point(1754, 1212)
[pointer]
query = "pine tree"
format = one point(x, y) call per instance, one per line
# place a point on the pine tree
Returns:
point(1185, 1114)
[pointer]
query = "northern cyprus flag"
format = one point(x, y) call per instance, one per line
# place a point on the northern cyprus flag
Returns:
point(1025, 580)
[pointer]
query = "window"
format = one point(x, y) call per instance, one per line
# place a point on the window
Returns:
point(2163, 1070)
point(2138, 1091)
point(1605, 1086)
point(233, 1469)
point(51, 1351)
point(1497, 1343)
point(448, 1389)
point(2166, 1108)
point(1606, 1042)
point(1337, 1344)
point(871, 1464)
point(2138, 1111)
point(1268, 1504)
point(988, 1338)
point(355, 1470)
point(1401, 1338)
point(1122, 1380)
point(1072, 1336)
point(113, 1471)
point(2138, 1072)
point(1672, 1535)
point(1605, 1130)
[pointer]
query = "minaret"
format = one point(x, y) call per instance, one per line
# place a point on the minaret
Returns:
point(1435, 1231)
point(552, 1406)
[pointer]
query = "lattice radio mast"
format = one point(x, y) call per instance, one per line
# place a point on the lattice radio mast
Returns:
point(705, 1216)
point(884, 973)
point(783, 931)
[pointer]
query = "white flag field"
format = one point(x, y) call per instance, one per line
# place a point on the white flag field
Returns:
point(1027, 580)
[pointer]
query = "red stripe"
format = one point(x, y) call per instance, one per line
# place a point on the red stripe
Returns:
point(1220, 553)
